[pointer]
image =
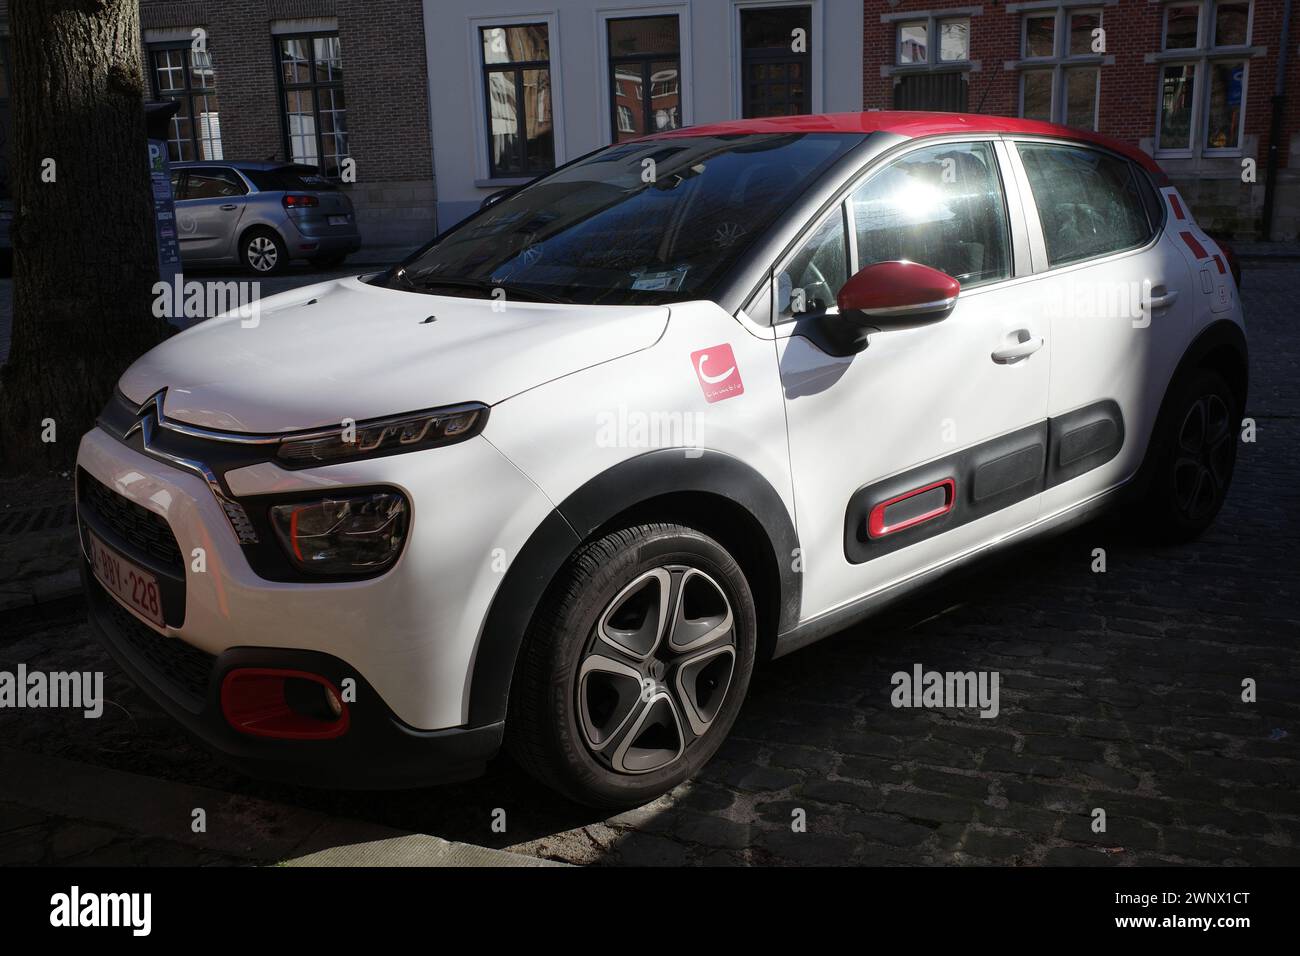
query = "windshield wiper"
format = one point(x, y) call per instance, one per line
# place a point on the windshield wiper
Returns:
point(482, 285)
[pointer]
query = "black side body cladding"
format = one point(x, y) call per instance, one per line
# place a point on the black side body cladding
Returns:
point(656, 474)
point(990, 476)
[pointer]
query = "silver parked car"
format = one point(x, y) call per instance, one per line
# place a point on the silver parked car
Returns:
point(261, 215)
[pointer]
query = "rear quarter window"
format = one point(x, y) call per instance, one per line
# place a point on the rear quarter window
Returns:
point(289, 178)
point(1089, 203)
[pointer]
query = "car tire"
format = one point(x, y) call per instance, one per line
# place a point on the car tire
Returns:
point(617, 697)
point(263, 252)
point(1192, 456)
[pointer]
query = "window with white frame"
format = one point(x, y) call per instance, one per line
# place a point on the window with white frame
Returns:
point(516, 65)
point(933, 41)
point(1062, 50)
point(1204, 67)
point(644, 55)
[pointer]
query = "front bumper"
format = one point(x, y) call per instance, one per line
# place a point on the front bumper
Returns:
point(378, 751)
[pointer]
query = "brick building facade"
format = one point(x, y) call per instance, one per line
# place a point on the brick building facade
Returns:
point(317, 81)
point(1189, 81)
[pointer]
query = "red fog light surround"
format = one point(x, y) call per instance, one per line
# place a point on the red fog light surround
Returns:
point(290, 705)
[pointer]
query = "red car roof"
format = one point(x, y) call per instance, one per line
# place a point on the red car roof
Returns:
point(912, 125)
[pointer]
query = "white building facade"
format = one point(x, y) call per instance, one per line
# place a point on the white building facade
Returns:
point(518, 87)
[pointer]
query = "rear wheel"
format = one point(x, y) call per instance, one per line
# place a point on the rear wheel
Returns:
point(635, 666)
point(263, 252)
point(1194, 454)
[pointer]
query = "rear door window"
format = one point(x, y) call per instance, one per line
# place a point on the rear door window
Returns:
point(213, 184)
point(941, 206)
point(1089, 202)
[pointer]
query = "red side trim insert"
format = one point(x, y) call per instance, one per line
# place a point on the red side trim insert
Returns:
point(876, 526)
point(1198, 250)
point(1178, 207)
point(1219, 262)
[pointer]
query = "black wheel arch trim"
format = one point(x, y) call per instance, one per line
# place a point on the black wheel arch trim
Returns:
point(1219, 335)
point(619, 489)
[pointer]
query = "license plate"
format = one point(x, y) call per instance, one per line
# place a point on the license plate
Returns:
point(338, 220)
point(128, 582)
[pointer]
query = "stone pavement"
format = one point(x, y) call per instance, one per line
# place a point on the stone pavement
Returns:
point(57, 812)
point(1120, 691)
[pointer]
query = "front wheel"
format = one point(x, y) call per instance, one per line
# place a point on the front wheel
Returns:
point(1194, 454)
point(635, 666)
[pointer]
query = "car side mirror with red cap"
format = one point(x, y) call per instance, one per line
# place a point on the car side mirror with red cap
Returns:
point(878, 298)
point(897, 295)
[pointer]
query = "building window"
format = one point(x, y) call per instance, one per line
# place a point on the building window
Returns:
point(517, 85)
point(915, 49)
point(1060, 71)
point(644, 54)
point(187, 77)
point(933, 53)
point(315, 110)
point(1203, 77)
point(776, 71)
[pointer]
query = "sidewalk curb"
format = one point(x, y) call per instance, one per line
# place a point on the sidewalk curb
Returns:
point(254, 830)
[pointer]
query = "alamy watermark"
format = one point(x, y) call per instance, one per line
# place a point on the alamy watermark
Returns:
point(180, 299)
point(76, 690)
point(949, 689)
point(623, 427)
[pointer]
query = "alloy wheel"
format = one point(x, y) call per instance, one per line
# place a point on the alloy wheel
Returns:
point(1203, 462)
point(656, 669)
point(262, 253)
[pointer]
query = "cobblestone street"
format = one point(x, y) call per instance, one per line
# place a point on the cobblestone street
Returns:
point(1119, 690)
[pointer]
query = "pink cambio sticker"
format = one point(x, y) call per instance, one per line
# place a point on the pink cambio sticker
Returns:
point(718, 373)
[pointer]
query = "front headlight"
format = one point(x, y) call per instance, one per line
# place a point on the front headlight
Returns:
point(354, 534)
point(384, 436)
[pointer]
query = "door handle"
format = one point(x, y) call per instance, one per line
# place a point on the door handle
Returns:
point(1021, 349)
point(229, 206)
point(1163, 301)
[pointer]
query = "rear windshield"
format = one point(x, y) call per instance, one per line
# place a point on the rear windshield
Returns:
point(289, 177)
point(649, 221)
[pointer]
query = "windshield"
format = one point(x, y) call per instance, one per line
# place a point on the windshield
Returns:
point(645, 222)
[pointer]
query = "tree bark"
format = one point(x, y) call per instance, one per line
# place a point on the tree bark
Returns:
point(85, 255)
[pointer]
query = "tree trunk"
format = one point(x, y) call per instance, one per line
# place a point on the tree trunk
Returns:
point(85, 257)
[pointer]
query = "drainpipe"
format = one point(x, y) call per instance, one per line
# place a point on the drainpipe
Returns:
point(1275, 124)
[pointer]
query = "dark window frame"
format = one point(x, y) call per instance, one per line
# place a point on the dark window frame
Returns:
point(772, 56)
point(315, 86)
point(516, 68)
point(645, 63)
point(188, 94)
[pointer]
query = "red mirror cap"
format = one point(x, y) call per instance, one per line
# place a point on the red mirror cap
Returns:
point(889, 287)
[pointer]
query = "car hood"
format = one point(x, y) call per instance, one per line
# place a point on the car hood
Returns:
point(347, 349)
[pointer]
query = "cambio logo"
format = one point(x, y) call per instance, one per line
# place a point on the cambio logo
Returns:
point(33, 689)
point(73, 909)
point(629, 428)
point(952, 689)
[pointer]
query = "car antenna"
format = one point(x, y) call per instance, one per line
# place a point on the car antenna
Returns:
point(993, 75)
